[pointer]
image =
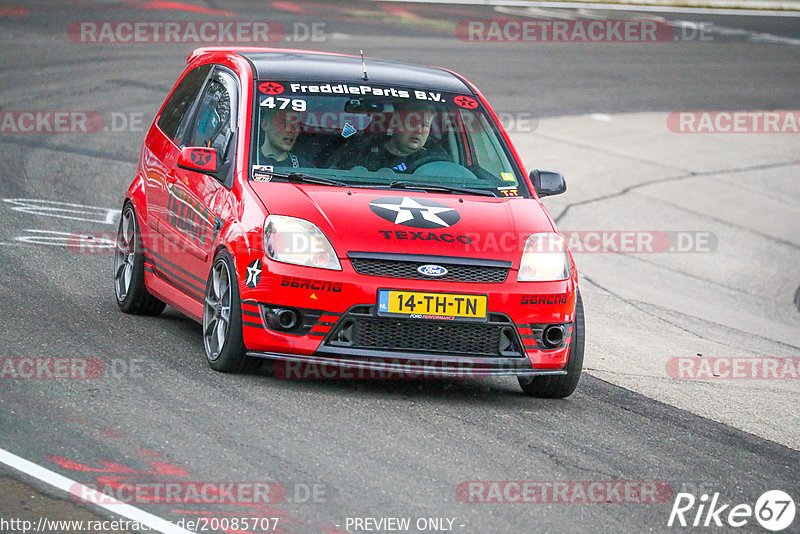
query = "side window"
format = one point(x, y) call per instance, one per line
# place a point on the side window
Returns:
point(486, 149)
point(181, 99)
point(213, 123)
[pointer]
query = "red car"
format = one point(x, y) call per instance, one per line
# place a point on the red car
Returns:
point(352, 214)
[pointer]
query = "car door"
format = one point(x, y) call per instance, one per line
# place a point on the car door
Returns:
point(159, 159)
point(193, 199)
point(162, 146)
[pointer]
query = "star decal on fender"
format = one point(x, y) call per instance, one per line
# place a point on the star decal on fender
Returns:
point(253, 274)
point(415, 212)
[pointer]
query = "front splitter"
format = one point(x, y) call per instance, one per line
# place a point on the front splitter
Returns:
point(415, 367)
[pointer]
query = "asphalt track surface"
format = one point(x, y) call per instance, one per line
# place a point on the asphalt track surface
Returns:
point(371, 448)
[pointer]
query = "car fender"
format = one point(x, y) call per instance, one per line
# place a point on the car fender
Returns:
point(136, 195)
point(243, 242)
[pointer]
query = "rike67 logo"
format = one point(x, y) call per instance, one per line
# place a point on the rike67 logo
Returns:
point(774, 511)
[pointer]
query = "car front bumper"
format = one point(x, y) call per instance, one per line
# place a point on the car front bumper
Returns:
point(339, 325)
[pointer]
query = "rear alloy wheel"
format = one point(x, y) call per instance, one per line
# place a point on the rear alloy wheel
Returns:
point(560, 386)
point(222, 319)
point(129, 287)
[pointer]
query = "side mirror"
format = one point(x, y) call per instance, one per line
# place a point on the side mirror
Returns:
point(548, 183)
point(198, 159)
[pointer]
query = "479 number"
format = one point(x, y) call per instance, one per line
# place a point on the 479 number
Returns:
point(296, 104)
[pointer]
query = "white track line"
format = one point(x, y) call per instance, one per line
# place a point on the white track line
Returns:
point(614, 7)
point(104, 501)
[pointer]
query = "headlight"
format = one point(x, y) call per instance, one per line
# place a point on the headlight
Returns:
point(297, 241)
point(544, 259)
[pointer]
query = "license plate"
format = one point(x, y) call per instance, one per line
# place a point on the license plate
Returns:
point(423, 305)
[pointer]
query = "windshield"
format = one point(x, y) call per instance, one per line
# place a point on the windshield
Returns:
point(379, 136)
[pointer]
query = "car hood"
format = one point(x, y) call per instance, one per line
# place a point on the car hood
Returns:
point(411, 222)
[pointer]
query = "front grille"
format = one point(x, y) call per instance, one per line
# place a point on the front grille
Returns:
point(480, 274)
point(496, 338)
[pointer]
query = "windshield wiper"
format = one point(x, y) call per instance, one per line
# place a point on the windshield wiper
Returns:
point(440, 188)
point(299, 178)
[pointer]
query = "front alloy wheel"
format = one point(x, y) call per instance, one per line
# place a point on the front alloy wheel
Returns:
point(222, 318)
point(561, 386)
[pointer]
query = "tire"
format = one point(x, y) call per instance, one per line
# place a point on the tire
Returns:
point(561, 386)
point(222, 319)
point(129, 288)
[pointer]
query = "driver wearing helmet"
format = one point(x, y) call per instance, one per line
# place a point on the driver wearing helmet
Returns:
point(281, 129)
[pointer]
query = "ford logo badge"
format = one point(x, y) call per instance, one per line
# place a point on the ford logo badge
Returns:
point(432, 270)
